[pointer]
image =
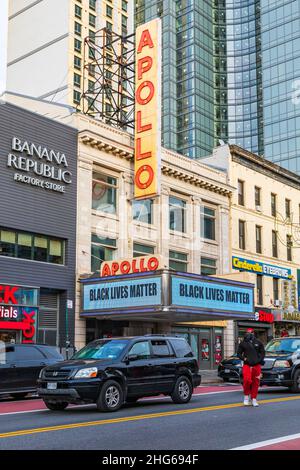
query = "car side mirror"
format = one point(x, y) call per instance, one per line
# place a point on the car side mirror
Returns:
point(133, 357)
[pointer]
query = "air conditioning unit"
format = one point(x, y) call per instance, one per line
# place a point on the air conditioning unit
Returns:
point(278, 303)
point(258, 208)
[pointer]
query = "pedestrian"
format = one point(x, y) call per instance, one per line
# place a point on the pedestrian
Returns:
point(252, 352)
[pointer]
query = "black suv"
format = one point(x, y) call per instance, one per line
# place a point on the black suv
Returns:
point(282, 363)
point(110, 372)
point(20, 365)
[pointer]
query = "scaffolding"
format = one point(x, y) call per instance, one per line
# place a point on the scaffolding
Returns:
point(109, 78)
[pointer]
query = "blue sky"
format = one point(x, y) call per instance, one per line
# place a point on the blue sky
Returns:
point(3, 43)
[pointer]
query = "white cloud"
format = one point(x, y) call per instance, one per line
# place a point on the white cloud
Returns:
point(3, 43)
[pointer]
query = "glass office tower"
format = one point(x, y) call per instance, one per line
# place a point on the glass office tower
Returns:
point(280, 27)
point(231, 72)
point(188, 73)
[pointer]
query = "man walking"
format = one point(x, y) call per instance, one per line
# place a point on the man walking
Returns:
point(252, 352)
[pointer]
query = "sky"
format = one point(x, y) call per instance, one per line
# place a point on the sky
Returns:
point(3, 42)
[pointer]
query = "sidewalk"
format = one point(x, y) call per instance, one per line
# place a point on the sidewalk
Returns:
point(210, 377)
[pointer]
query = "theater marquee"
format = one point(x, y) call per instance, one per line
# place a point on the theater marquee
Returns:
point(148, 110)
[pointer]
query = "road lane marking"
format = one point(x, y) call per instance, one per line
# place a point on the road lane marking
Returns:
point(268, 443)
point(140, 401)
point(126, 419)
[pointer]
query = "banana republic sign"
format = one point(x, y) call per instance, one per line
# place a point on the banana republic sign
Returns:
point(39, 166)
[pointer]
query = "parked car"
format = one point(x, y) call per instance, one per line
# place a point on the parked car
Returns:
point(281, 367)
point(230, 369)
point(282, 363)
point(112, 371)
point(20, 365)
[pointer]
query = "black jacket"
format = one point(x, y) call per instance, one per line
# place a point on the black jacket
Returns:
point(251, 351)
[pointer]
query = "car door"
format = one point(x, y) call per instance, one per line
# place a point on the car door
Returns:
point(140, 371)
point(8, 374)
point(29, 361)
point(164, 365)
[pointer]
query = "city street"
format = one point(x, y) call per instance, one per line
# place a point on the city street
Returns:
point(214, 419)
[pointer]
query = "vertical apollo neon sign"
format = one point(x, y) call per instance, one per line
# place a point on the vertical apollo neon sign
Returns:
point(148, 110)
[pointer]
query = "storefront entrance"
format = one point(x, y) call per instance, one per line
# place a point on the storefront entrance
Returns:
point(206, 343)
point(263, 332)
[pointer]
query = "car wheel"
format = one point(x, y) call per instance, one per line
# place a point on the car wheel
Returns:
point(295, 388)
point(183, 390)
point(18, 395)
point(111, 396)
point(225, 379)
point(56, 406)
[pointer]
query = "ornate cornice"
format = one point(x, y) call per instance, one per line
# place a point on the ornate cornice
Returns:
point(176, 168)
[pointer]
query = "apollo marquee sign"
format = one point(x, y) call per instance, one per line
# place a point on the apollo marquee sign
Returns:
point(39, 166)
point(147, 161)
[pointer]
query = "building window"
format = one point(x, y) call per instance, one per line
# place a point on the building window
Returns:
point(77, 45)
point(32, 247)
point(77, 28)
point(109, 11)
point(208, 223)
point(92, 20)
point(178, 261)
point(124, 5)
point(273, 204)
point(274, 244)
point(104, 196)
point(76, 96)
point(242, 234)
point(124, 21)
point(77, 80)
point(77, 62)
point(143, 211)
point(257, 197)
point(289, 244)
point(208, 266)
point(109, 26)
point(258, 231)
point(92, 36)
point(103, 249)
point(24, 246)
point(259, 290)
point(92, 70)
point(275, 289)
point(241, 195)
point(78, 11)
point(177, 213)
point(288, 208)
point(142, 250)
point(93, 5)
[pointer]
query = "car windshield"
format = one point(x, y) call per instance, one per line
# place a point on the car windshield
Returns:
point(106, 349)
point(287, 345)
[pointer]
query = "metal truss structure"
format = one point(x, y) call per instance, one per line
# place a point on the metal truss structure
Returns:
point(109, 78)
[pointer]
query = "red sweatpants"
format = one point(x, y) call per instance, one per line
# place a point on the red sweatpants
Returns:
point(251, 377)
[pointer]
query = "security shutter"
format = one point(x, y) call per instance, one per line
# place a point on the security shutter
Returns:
point(48, 318)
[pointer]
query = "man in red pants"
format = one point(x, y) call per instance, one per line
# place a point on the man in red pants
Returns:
point(252, 352)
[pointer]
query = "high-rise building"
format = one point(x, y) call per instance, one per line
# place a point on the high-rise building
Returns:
point(231, 71)
point(46, 53)
point(280, 27)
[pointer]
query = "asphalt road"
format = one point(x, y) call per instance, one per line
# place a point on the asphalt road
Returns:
point(214, 419)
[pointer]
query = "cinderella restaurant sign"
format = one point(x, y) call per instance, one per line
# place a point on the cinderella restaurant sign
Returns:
point(39, 166)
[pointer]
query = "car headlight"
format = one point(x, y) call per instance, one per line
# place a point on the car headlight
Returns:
point(283, 364)
point(86, 373)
